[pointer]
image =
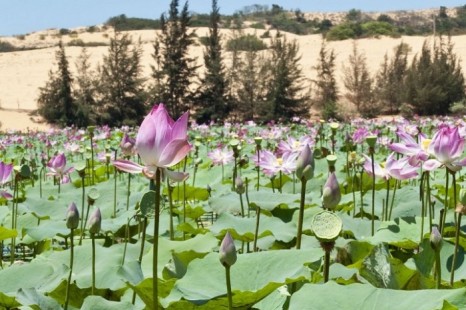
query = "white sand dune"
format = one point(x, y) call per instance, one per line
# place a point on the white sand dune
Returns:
point(24, 72)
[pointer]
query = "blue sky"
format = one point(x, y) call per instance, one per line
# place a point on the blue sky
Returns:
point(25, 16)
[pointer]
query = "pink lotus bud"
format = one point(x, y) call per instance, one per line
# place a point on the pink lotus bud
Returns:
point(435, 239)
point(305, 164)
point(331, 194)
point(95, 221)
point(239, 185)
point(227, 251)
point(72, 216)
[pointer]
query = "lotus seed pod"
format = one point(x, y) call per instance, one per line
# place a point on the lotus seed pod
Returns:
point(95, 221)
point(72, 216)
point(371, 140)
point(227, 251)
point(435, 239)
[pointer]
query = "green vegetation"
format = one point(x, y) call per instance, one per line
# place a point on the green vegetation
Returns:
point(81, 43)
point(246, 42)
point(123, 23)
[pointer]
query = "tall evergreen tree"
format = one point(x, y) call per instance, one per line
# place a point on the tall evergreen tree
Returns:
point(55, 102)
point(174, 70)
point(85, 92)
point(252, 80)
point(390, 79)
point(285, 89)
point(435, 80)
point(326, 96)
point(211, 101)
point(122, 93)
point(359, 84)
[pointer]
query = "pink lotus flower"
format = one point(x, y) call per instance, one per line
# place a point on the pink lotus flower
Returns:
point(127, 145)
point(398, 169)
point(221, 156)
point(57, 168)
point(292, 145)
point(161, 143)
point(5, 172)
point(447, 147)
point(416, 152)
point(271, 164)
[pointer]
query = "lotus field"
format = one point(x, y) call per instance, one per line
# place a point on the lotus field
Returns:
point(173, 215)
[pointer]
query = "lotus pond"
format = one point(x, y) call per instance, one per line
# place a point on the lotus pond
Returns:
point(305, 215)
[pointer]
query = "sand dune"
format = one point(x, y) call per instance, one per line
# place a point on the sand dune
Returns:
point(24, 72)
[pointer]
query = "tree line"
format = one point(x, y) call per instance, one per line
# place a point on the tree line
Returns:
point(255, 84)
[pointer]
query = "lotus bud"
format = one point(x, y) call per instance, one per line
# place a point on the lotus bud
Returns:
point(463, 196)
point(72, 216)
point(127, 145)
point(239, 185)
point(305, 164)
point(227, 251)
point(331, 194)
point(461, 207)
point(95, 221)
point(435, 239)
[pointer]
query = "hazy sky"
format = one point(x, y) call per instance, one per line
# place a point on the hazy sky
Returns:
point(24, 16)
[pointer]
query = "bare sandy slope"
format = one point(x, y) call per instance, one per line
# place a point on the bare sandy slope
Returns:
point(23, 73)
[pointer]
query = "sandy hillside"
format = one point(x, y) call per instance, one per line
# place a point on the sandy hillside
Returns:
point(23, 73)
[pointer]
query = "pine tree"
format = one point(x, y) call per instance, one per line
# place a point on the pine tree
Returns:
point(211, 101)
point(121, 89)
point(85, 92)
point(390, 79)
point(55, 102)
point(252, 79)
point(435, 80)
point(285, 89)
point(326, 86)
point(358, 83)
point(174, 70)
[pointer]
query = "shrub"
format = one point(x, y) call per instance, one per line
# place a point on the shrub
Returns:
point(204, 40)
point(258, 26)
point(6, 47)
point(247, 42)
point(340, 32)
point(63, 31)
point(375, 28)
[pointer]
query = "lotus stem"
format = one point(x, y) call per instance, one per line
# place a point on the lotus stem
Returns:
point(229, 293)
point(126, 242)
point(92, 159)
point(301, 213)
point(68, 284)
point(141, 252)
point(256, 232)
point(444, 215)
point(455, 253)
point(82, 207)
point(128, 192)
point(93, 264)
point(373, 191)
point(115, 194)
point(155, 291)
point(438, 269)
point(170, 204)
